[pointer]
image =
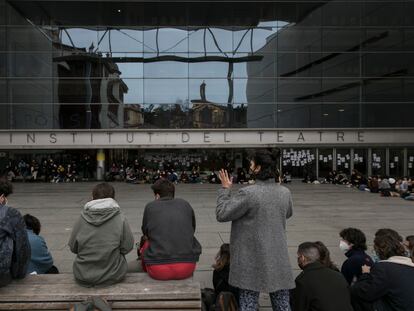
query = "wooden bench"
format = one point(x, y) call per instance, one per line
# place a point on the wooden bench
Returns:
point(136, 292)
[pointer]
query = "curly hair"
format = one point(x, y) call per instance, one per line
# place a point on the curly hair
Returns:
point(388, 246)
point(356, 237)
point(391, 232)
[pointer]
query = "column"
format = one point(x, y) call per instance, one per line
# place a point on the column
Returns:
point(317, 163)
point(405, 162)
point(369, 162)
point(100, 164)
point(387, 161)
point(351, 163)
point(334, 159)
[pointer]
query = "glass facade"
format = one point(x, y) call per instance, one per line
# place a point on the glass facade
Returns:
point(247, 64)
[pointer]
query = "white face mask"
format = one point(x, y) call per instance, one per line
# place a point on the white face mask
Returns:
point(344, 247)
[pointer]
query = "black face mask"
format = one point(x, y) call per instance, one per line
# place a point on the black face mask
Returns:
point(300, 264)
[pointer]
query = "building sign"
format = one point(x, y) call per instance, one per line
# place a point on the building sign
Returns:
point(80, 139)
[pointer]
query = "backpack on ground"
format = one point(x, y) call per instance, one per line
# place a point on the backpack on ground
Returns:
point(91, 304)
point(226, 301)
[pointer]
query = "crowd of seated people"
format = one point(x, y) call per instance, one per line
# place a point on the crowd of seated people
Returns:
point(384, 185)
point(50, 170)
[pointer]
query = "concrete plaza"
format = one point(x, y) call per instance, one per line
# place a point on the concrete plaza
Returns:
point(320, 212)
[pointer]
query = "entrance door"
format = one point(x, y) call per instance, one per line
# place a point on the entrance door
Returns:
point(360, 160)
point(300, 163)
point(343, 161)
point(396, 163)
point(325, 162)
point(378, 162)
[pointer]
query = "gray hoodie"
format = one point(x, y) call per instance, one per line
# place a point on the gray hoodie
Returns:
point(101, 238)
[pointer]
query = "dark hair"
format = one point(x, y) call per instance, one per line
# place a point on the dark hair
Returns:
point(325, 256)
point(222, 257)
point(310, 251)
point(356, 237)
point(103, 191)
point(6, 187)
point(32, 223)
point(390, 232)
point(388, 246)
point(267, 162)
point(164, 188)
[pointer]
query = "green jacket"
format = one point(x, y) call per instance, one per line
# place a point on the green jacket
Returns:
point(101, 238)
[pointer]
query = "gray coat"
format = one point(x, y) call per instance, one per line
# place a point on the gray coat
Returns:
point(258, 243)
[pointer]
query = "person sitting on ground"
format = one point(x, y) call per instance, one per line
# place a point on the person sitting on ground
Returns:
point(287, 178)
point(389, 284)
point(41, 261)
point(318, 287)
point(241, 176)
point(100, 239)
point(184, 177)
point(341, 179)
point(213, 178)
point(356, 178)
point(353, 244)
point(325, 256)
point(384, 187)
point(194, 177)
point(394, 234)
point(373, 184)
point(222, 270)
point(14, 243)
point(211, 298)
point(171, 250)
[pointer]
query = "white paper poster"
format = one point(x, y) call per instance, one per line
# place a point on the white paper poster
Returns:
point(411, 159)
point(396, 159)
point(391, 165)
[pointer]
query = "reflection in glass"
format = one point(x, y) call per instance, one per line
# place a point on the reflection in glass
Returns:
point(343, 161)
point(396, 163)
point(410, 163)
point(165, 91)
point(300, 163)
point(325, 162)
point(360, 160)
point(378, 162)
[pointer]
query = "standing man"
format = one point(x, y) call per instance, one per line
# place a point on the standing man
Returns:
point(258, 243)
point(14, 243)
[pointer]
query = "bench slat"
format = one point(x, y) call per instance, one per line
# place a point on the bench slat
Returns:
point(67, 278)
point(116, 305)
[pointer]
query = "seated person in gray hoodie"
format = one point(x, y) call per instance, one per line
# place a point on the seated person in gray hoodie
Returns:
point(101, 238)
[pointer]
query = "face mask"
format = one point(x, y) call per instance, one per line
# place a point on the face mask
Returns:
point(344, 247)
point(300, 263)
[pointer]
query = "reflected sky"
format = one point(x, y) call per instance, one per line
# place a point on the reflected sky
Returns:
point(171, 81)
